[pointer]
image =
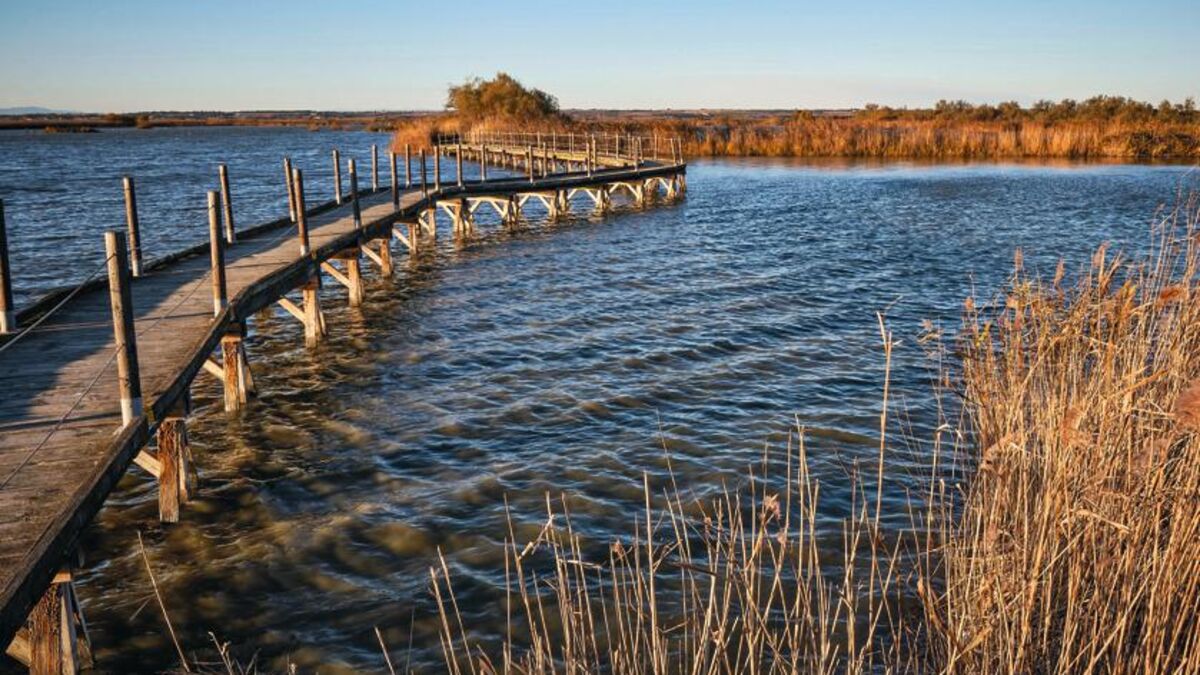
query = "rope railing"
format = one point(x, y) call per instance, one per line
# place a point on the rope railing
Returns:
point(98, 373)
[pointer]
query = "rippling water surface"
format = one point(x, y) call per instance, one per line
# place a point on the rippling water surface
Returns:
point(556, 358)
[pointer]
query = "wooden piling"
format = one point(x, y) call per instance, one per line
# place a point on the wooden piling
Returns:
point(301, 211)
point(8, 314)
point(230, 234)
point(233, 367)
point(131, 223)
point(374, 168)
point(174, 457)
point(395, 180)
point(121, 302)
point(176, 476)
point(337, 177)
point(483, 163)
point(46, 655)
point(216, 249)
point(529, 161)
point(354, 207)
point(314, 322)
point(287, 179)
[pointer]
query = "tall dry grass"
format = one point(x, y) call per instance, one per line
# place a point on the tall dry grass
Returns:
point(745, 583)
point(1077, 546)
point(934, 139)
point(1072, 545)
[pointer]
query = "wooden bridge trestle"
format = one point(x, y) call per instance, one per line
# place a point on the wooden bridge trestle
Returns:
point(99, 377)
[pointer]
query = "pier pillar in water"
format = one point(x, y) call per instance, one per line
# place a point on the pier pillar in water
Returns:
point(351, 276)
point(176, 476)
point(314, 320)
point(54, 640)
point(235, 367)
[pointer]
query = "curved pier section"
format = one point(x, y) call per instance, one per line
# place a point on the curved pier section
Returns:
point(96, 378)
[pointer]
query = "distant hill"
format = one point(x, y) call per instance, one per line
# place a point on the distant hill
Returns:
point(32, 110)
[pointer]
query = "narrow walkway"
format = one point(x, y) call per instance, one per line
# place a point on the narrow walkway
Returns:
point(62, 443)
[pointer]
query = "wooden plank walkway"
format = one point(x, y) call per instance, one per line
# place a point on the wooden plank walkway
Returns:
point(62, 443)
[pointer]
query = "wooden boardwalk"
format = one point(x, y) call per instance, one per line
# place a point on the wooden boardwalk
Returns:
point(63, 444)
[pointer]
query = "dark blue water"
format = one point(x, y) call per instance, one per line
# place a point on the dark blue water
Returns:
point(562, 359)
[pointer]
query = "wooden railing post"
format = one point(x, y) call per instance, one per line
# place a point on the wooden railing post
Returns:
point(458, 164)
point(354, 196)
point(395, 181)
point(424, 183)
point(337, 177)
point(287, 180)
point(374, 168)
point(301, 212)
point(121, 300)
point(216, 249)
point(230, 235)
point(437, 168)
point(407, 165)
point(131, 223)
point(8, 314)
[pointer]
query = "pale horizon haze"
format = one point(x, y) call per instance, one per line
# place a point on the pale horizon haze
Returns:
point(124, 56)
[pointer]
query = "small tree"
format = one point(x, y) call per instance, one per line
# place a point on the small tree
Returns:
point(501, 99)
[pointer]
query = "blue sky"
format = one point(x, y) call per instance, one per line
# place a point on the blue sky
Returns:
point(116, 55)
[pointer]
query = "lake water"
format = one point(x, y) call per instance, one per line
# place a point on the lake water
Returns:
point(551, 359)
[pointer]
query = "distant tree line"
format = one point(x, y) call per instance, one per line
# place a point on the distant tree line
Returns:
point(1094, 109)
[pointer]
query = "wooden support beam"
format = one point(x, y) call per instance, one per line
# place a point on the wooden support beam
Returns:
point(351, 278)
point(171, 435)
point(235, 370)
point(382, 258)
point(55, 640)
point(121, 301)
point(291, 307)
point(314, 320)
point(148, 462)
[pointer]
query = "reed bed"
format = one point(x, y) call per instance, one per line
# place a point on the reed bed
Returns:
point(1058, 530)
point(1077, 546)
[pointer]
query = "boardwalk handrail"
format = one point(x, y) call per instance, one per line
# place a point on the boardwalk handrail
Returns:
point(114, 455)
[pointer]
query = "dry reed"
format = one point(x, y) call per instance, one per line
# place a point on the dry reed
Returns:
point(1077, 546)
